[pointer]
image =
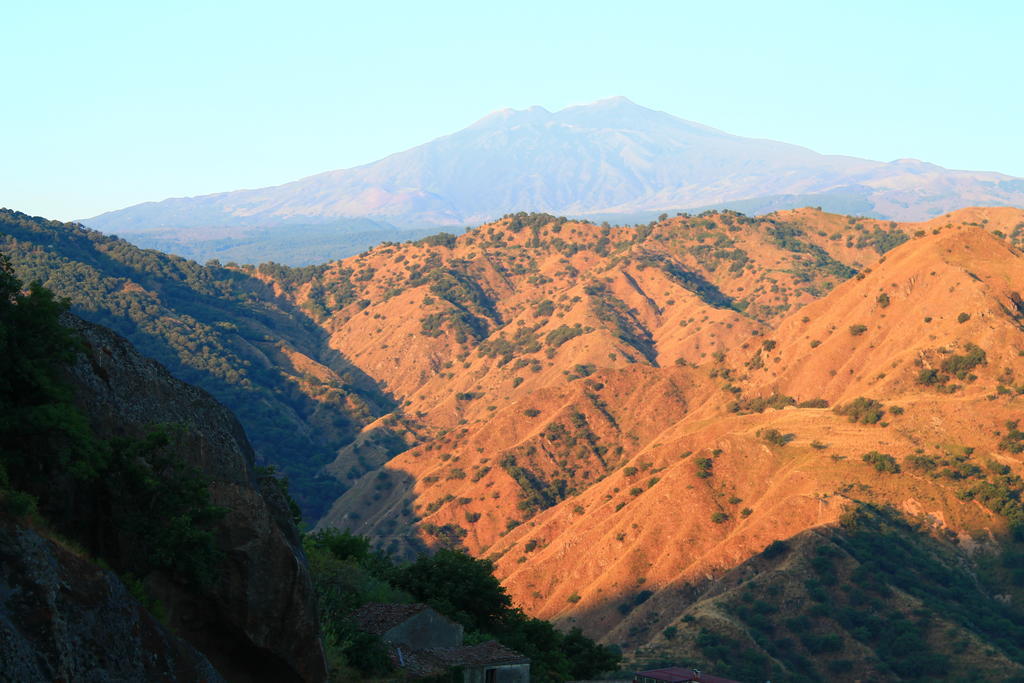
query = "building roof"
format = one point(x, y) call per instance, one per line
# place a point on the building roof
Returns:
point(437, 660)
point(678, 674)
point(379, 618)
point(491, 653)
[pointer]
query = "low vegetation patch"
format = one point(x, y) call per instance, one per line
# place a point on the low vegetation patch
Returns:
point(883, 462)
point(863, 410)
point(774, 437)
point(347, 574)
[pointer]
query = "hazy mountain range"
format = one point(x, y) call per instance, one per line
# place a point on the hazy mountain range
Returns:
point(610, 157)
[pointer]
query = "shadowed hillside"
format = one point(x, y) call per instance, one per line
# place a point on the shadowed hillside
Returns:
point(228, 331)
point(624, 418)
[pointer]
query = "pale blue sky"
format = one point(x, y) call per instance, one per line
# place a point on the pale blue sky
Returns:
point(109, 104)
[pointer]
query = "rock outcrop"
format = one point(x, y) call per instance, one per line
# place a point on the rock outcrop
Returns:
point(259, 620)
point(62, 618)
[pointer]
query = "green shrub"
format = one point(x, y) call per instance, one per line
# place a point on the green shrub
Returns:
point(813, 403)
point(774, 437)
point(883, 462)
point(862, 410)
point(704, 467)
point(960, 365)
point(562, 334)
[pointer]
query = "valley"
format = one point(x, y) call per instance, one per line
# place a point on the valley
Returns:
point(686, 437)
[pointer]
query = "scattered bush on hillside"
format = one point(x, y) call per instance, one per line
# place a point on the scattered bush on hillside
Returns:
point(562, 334)
point(524, 341)
point(813, 403)
point(579, 371)
point(879, 239)
point(883, 462)
point(759, 404)
point(857, 330)
point(960, 365)
point(922, 463)
point(863, 410)
point(1004, 495)
point(963, 317)
point(774, 436)
point(704, 467)
point(883, 300)
point(544, 309)
point(441, 239)
point(1013, 440)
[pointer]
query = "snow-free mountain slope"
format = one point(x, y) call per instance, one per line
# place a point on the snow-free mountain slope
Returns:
point(609, 156)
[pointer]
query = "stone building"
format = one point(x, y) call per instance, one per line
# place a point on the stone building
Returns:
point(422, 642)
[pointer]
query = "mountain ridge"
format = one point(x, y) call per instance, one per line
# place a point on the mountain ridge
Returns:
point(611, 156)
point(626, 419)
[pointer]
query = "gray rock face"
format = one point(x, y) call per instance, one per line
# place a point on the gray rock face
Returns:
point(259, 621)
point(62, 618)
point(611, 156)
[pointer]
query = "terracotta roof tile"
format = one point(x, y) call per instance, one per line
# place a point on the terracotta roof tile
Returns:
point(483, 654)
point(435, 661)
point(379, 618)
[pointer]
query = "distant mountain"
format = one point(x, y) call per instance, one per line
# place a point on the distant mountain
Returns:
point(611, 157)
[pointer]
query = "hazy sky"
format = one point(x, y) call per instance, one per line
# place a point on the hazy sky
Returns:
point(109, 104)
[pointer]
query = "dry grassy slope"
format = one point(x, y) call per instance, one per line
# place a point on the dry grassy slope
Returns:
point(586, 546)
point(643, 297)
point(576, 432)
point(910, 307)
point(789, 488)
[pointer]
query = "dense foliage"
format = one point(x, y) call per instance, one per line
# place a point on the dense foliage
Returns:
point(132, 502)
point(213, 327)
point(347, 574)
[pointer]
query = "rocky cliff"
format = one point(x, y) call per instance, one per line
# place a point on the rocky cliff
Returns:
point(258, 622)
point(63, 617)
